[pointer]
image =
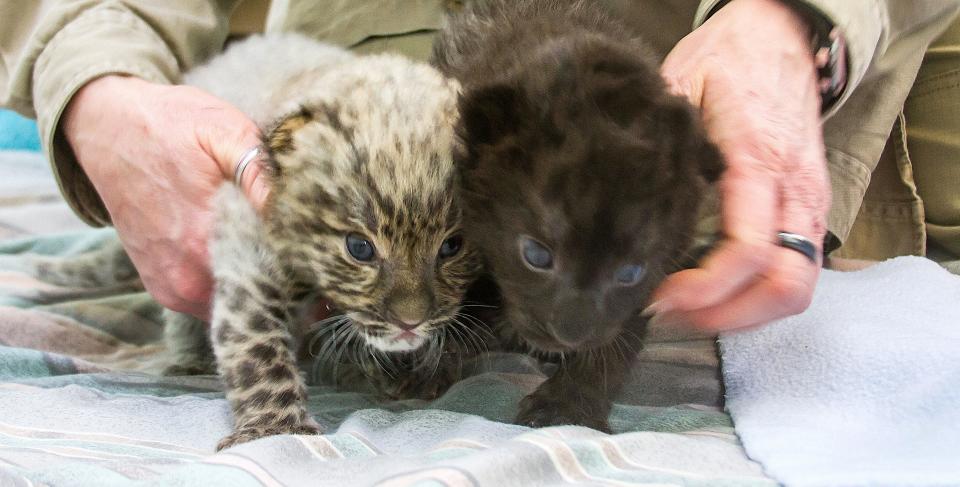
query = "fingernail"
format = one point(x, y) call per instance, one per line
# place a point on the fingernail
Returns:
point(668, 319)
point(659, 306)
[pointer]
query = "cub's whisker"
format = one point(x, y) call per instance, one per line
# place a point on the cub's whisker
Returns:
point(475, 342)
point(324, 356)
point(319, 323)
point(479, 325)
point(340, 320)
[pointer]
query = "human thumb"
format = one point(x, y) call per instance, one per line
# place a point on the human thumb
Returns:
point(233, 140)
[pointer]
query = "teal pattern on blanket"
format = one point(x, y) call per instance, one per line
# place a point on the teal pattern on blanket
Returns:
point(18, 133)
point(81, 405)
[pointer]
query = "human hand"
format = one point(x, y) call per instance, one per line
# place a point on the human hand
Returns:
point(750, 70)
point(156, 155)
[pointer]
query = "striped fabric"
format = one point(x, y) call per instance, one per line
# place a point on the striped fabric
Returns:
point(80, 404)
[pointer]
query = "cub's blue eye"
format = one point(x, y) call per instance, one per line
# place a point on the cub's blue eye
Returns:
point(451, 247)
point(629, 275)
point(538, 256)
point(360, 248)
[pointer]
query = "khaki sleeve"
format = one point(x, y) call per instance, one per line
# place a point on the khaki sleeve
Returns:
point(49, 49)
point(880, 34)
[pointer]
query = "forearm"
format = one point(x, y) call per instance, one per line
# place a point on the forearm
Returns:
point(51, 49)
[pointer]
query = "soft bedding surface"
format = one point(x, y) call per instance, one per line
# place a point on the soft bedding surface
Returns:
point(80, 404)
point(858, 390)
point(862, 389)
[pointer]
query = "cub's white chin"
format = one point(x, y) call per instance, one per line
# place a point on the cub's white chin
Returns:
point(393, 343)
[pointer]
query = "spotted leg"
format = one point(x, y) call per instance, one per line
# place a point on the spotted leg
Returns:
point(188, 346)
point(249, 330)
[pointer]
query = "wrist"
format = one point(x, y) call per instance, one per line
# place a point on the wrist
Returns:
point(90, 98)
point(791, 29)
point(825, 42)
point(829, 50)
point(83, 117)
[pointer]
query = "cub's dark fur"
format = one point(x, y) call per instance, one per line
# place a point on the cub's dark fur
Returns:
point(582, 178)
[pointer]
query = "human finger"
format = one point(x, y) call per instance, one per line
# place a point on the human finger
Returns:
point(786, 289)
point(749, 201)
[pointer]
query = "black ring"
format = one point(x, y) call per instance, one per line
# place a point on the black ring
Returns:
point(798, 243)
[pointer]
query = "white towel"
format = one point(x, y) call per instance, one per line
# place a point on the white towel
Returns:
point(861, 389)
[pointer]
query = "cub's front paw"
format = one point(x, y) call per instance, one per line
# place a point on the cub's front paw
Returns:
point(415, 387)
point(250, 433)
point(415, 380)
point(419, 384)
point(544, 408)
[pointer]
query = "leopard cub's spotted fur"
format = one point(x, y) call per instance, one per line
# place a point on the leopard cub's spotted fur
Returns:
point(362, 212)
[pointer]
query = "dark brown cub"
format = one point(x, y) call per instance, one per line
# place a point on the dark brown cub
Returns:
point(582, 179)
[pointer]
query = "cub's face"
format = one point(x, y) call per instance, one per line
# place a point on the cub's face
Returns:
point(371, 218)
point(581, 181)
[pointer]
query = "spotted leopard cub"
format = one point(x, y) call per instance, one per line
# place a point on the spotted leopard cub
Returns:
point(362, 211)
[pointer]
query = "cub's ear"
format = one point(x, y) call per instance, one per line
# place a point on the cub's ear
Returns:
point(681, 131)
point(622, 84)
point(280, 138)
point(489, 113)
point(623, 100)
point(711, 160)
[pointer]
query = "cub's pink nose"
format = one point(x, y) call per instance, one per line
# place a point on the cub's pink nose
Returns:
point(408, 325)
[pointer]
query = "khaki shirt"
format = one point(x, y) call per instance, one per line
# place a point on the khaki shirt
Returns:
point(51, 48)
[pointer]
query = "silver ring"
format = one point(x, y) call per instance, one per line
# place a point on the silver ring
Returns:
point(798, 243)
point(245, 161)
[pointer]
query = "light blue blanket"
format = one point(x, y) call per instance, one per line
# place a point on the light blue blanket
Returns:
point(861, 389)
